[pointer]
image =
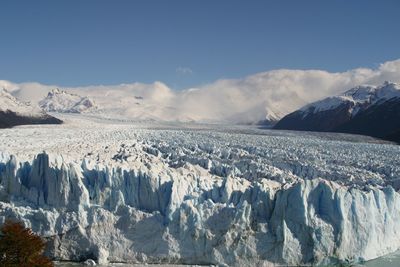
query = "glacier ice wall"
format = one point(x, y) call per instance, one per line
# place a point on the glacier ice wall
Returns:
point(187, 215)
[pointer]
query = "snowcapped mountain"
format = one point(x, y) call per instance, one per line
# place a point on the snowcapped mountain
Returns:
point(14, 112)
point(368, 110)
point(10, 103)
point(62, 101)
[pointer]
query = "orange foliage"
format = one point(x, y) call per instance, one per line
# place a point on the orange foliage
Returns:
point(19, 246)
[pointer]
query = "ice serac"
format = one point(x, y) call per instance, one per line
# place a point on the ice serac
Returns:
point(186, 215)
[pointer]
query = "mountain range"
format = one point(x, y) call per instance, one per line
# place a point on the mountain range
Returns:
point(367, 110)
point(14, 112)
point(61, 101)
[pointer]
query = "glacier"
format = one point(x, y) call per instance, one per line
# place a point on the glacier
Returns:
point(222, 195)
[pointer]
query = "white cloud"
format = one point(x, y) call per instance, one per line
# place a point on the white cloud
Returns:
point(271, 93)
point(184, 70)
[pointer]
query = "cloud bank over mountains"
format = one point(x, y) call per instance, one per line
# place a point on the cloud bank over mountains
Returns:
point(270, 94)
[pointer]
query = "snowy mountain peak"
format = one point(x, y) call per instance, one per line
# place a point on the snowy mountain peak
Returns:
point(367, 110)
point(371, 94)
point(357, 98)
point(9, 103)
point(14, 112)
point(272, 115)
point(61, 101)
point(55, 92)
point(5, 94)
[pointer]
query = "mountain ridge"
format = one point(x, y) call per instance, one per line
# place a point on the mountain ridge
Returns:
point(14, 112)
point(367, 110)
point(64, 102)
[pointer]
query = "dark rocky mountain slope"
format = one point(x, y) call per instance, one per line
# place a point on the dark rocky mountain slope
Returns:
point(367, 110)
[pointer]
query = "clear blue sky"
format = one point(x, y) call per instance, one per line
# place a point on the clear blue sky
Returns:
point(72, 43)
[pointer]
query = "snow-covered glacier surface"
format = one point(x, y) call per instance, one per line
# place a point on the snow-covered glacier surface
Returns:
point(200, 194)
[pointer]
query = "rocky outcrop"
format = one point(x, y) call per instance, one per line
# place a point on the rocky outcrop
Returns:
point(10, 119)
